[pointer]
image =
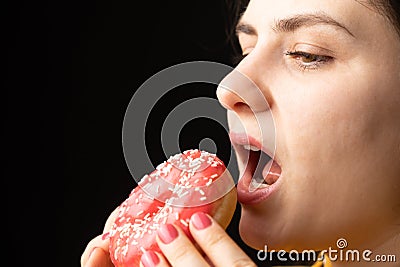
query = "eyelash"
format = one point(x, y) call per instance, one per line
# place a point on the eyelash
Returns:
point(298, 55)
point(316, 60)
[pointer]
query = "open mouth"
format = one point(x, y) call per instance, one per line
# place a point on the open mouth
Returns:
point(260, 166)
point(260, 170)
point(263, 169)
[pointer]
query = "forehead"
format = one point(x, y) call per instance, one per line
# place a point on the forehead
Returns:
point(263, 11)
point(357, 15)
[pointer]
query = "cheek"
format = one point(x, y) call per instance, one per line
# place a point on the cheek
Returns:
point(327, 123)
point(327, 130)
point(338, 139)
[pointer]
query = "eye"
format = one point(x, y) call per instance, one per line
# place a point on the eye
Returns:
point(307, 60)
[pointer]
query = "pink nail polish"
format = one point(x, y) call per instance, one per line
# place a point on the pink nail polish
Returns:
point(200, 220)
point(105, 236)
point(149, 259)
point(167, 233)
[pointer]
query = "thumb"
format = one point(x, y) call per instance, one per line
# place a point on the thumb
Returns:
point(99, 258)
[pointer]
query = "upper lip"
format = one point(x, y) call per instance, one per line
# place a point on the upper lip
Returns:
point(243, 139)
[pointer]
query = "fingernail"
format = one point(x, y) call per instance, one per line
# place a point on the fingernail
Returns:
point(149, 259)
point(105, 236)
point(167, 233)
point(200, 220)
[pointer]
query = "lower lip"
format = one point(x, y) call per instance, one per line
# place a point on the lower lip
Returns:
point(257, 196)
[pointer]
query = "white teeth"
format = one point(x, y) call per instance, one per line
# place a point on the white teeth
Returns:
point(252, 148)
point(254, 185)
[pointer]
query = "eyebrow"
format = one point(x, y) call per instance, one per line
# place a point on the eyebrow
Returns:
point(294, 23)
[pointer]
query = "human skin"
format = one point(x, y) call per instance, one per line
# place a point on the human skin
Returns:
point(337, 125)
point(337, 119)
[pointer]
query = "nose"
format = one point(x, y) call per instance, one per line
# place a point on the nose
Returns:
point(229, 99)
point(238, 91)
point(246, 91)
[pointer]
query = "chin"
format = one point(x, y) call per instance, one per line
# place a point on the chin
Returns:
point(259, 229)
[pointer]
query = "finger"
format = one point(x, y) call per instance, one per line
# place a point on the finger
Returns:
point(216, 243)
point(152, 259)
point(97, 242)
point(99, 258)
point(177, 247)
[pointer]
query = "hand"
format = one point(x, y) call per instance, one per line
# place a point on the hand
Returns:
point(219, 249)
point(96, 253)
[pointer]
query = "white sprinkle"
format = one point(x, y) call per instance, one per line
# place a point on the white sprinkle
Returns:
point(146, 185)
point(142, 249)
point(182, 166)
point(214, 176)
point(134, 242)
point(209, 182)
point(125, 250)
point(201, 192)
point(158, 189)
point(116, 253)
point(203, 198)
point(176, 216)
point(178, 189)
point(184, 222)
point(136, 235)
point(183, 194)
point(196, 181)
point(140, 212)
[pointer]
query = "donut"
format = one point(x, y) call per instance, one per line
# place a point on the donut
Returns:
point(186, 183)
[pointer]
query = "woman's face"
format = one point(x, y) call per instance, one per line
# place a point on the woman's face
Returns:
point(330, 72)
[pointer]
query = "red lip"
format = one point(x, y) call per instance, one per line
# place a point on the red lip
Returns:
point(244, 195)
point(244, 139)
point(251, 198)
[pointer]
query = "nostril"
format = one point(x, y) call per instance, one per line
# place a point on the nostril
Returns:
point(229, 98)
point(240, 106)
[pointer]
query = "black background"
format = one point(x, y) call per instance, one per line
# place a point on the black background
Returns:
point(72, 68)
